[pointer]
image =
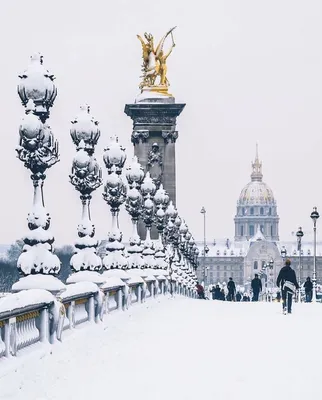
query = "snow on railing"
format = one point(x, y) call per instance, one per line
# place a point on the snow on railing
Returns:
point(26, 318)
point(35, 315)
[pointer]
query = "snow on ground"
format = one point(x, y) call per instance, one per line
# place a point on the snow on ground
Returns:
point(181, 349)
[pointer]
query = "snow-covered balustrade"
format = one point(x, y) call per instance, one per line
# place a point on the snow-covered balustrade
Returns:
point(26, 318)
point(116, 294)
point(83, 302)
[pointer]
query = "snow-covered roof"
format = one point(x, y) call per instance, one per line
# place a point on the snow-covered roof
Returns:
point(224, 248)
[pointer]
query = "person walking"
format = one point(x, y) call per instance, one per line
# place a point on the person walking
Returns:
point(256, 287)
point(287, 280)
point(308, 286)
point(200, 291)
point(231, 289)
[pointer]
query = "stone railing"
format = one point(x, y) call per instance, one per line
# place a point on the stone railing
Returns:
point(32, 316)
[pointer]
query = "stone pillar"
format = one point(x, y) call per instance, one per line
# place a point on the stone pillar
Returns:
point(154, 136)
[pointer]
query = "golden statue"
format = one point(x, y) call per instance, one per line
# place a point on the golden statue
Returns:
point(154, 63)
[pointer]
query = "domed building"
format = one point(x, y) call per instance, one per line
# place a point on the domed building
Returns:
point(256, 248)
point(256, 208)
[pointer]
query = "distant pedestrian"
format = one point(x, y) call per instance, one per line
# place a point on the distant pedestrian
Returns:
point(217, 293)
point(287, 279)
point(231, 290)
point(256, 287)
point(238, 296)
point(308, 286)
point(200, 291)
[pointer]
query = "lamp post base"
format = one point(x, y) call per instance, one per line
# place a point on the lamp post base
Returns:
point(39, 281)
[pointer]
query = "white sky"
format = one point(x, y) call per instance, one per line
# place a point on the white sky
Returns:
point(248, 70)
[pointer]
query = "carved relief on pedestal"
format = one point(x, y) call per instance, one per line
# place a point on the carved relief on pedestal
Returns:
point(155, 164)
point(139, 136)
point(170, 136)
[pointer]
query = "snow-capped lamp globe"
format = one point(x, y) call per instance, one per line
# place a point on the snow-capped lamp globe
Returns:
point(38, 150)
point(171, 212)
point(114, 155)
point(85, 128)
point(115, 262)
point(135, 173)
point(37, 84)
point(86, 177)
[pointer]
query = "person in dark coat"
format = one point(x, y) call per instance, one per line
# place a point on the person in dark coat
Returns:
point(256, 287)
point(308, 286)
point(287, 279)
point(238, 296)
point(217, 293)
point(222, 295)
point(200, 291)
point(231, 289)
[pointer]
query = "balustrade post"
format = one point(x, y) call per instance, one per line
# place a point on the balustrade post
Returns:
point(119, 299)
point(91, 309)
point(44, 325)
point(7, 338)
point(139, 294)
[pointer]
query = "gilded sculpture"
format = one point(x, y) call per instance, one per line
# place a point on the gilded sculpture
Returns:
point(154, 65)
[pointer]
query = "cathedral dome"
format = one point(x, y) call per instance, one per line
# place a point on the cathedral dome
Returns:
point(256, 192)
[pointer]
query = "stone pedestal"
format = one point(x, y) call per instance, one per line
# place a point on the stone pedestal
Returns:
point(154, 123)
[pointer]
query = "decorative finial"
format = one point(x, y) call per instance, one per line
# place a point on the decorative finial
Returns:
point(257, 168)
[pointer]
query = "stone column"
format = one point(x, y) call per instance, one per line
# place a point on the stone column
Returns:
point(154, 136)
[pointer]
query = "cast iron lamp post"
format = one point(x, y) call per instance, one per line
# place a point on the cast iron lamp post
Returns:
point(315, 216)
point(299, 235)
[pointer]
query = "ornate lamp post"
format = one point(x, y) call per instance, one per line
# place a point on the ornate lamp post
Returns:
point(161, 200)
point(203, 211)
point(148, 189)
point(134, 201)
point(299, 235)
point(86, 177)
point(115, 195)
point(315, 216)
point(38, 150)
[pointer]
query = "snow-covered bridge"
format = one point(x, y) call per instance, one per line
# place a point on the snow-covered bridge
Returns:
point(177, 348)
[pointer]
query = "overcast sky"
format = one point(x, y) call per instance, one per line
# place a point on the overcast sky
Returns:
point(249, 71)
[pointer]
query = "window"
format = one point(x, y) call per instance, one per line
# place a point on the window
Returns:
point(252, 211)
point(263, 264)
point(255, 264)
point(225, 268)
point(261, 211)
point(272, 230)
point(242, 230)
point(243, 211)
point(251, 230)
point(270, 211)
point(262, 228)
point(218, 267)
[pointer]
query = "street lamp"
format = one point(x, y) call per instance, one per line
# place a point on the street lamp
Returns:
point(299, 235)
point(283, 252)
point(205, 248)
point(271, 267)
point(314, 215)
